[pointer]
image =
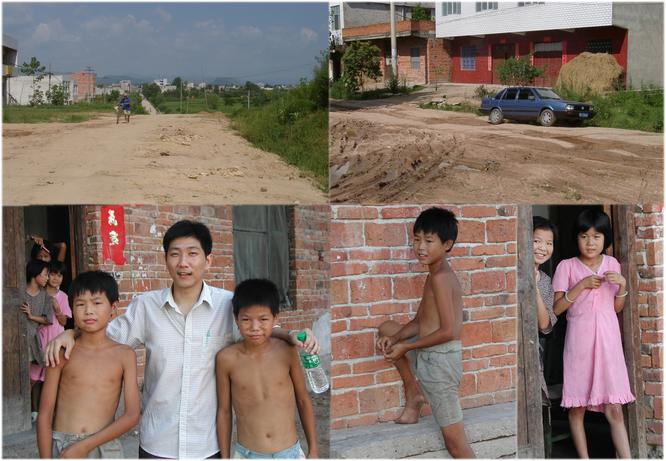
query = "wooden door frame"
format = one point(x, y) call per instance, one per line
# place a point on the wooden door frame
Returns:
point(530, 427)
point(15, 394)
point(530, 423)
point(624, 250)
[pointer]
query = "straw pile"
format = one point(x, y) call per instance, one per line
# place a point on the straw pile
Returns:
point(591, 73)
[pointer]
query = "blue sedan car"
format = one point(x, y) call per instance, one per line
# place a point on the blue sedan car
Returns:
point(530, 103)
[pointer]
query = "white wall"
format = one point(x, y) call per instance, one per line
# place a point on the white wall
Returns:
point(509, 17)
point(21, 88)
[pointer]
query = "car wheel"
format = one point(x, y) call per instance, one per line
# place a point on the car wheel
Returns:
point(547, 117)
point(495, 117)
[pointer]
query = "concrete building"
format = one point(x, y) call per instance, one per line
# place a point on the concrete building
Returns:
point(21, 88)
point(9, 62)
point(125, 86)
point(419, 52)
point(482, 35)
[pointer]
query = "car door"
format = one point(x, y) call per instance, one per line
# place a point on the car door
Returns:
point(526, 104)
point(509, 103)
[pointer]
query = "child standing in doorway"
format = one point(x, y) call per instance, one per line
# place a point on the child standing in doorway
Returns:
point(39, 308)
point(591, 289)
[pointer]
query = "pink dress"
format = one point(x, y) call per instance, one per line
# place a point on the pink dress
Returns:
point(594, 369)
point(47, 333)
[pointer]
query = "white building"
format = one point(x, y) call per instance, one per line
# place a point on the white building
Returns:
point(21, 88)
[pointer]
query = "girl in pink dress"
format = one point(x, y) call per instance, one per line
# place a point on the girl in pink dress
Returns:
point(63, 311)
point(592, 291)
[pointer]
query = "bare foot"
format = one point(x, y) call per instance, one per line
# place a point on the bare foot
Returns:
point(410, 414)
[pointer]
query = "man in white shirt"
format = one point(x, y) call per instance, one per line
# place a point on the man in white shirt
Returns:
point(181, 328)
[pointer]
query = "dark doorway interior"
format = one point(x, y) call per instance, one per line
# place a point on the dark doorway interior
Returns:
point(596, 426)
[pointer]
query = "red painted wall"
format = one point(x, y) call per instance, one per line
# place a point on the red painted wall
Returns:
point(573, 44)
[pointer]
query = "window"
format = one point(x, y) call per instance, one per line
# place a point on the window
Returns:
point(468, 58)
point(261, 245)
point(600, 46)
point(525, 94)
point(510, 94)
point(483, 6)
point(530, 3)
point(335, 17)
point(415, 58)
point(449, 8)
point(547, 47)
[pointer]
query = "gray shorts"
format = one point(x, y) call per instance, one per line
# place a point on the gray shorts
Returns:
point(62, 440)
point(439, 370)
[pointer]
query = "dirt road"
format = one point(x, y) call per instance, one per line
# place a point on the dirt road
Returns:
point(155, 159)
point(397, 152)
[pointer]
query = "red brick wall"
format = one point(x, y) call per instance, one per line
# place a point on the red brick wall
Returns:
point(309, 263)
point(439, 60)
point(649, 233)
point(86, 82)
point(374, 277)
point(385, 29)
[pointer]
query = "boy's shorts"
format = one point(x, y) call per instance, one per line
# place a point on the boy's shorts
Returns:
point(126, 111)
point(293, 452)
point(439, 370)
point(109, 450)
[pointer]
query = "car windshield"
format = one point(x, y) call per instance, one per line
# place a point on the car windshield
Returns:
point(547, 94)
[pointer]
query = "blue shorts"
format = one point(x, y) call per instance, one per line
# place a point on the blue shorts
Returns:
point(293, 452)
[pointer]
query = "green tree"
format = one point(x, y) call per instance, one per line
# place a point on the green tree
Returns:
point(177, 82)
point(34, 69)
point(361, 60)
point(517, 71)
point(420, 13)
point(56, 95)
point(151, 90)
point(114, 96)
point(319, 84)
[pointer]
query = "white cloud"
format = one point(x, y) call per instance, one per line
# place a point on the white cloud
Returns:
point(308, 34)
point(163, 14)
point(118, 25)
point(249, 32)
point(53, 31)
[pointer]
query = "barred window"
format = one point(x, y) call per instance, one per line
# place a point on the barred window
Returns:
point(449, 8)
point(600, 46)
point(483, 6)
point(415, 58)
point(468, 58)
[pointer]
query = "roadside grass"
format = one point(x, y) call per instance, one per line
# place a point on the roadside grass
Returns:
point(66, 114)
point(465, 106)
point(628, 109)
point(190, 106)
point(300, 138)
point(72, 113)
point(337, 90)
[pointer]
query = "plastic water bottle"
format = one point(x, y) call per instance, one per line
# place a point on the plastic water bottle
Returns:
point(313, 370)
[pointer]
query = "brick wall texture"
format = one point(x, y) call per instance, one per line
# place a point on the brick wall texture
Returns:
point(145, 269)
point(375, 277)
point(650, 255)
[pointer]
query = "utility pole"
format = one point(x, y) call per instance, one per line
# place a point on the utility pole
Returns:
point(181, 95)
point(394, 46)
point(248, 98)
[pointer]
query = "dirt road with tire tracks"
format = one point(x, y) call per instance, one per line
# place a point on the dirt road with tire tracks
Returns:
point(394, 151)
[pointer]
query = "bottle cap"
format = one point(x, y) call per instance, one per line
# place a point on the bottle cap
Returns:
point(301, 336)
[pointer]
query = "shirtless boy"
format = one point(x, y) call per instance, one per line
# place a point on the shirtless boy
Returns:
point(262, 378)
point(81, 395)
point(436, 326)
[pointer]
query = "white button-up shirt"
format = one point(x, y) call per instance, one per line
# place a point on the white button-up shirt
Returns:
point(179, 400)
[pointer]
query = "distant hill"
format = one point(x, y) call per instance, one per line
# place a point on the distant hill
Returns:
point(226, 81)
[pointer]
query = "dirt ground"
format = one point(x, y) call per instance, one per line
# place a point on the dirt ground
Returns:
point(175, 158)
point(393, 151)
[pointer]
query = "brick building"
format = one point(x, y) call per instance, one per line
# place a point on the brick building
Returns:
point(482, 35)
point(86, 81)
point(303, 231)
point(421, 57)
point(375, 277)
point(637, 245)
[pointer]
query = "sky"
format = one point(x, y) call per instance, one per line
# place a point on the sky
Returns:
point(261, 42)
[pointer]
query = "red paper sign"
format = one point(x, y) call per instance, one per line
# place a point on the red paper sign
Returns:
point(113, 234)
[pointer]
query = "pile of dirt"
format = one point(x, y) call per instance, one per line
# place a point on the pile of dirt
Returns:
point(591, 73)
